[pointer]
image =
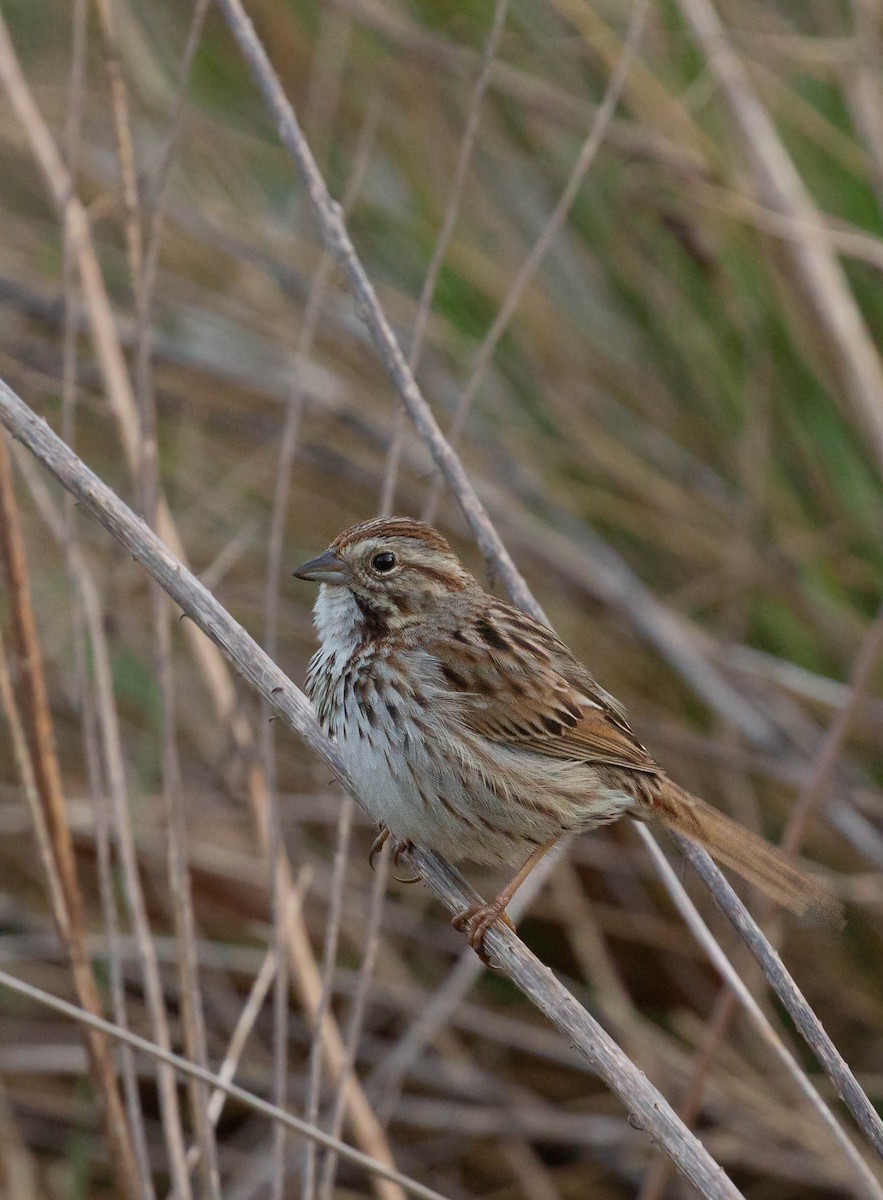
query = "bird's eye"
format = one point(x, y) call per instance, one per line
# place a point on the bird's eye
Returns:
point(383, 563)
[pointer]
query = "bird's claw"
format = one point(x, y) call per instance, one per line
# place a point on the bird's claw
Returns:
point(377, 845)
point(476, 921)
point(399, 849)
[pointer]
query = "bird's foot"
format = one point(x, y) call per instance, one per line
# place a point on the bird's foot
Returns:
point(398, 850)
point(477, 920)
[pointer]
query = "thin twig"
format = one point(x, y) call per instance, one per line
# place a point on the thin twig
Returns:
point(357, 1010)
point(329, 961)
point(550, 230)
point(452, 209)
point(865, 1181)
point(814, 264)
point(68, 906)
point(219, 684)
point(190, 1070)
point(837, 1070)
point(149, 486)
point(331, 222)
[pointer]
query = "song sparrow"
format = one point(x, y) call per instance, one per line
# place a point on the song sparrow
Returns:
point(469, 728)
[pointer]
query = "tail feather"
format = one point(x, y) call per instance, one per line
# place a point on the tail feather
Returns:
point(762, 865)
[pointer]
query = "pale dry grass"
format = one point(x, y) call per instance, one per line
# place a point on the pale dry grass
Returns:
point(674, 436)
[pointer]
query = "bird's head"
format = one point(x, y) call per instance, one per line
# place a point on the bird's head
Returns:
point(396, 569)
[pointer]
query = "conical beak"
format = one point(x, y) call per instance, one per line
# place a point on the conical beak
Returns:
point(327, 568)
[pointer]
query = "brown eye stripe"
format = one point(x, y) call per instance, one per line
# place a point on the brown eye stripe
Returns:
point(447, 579)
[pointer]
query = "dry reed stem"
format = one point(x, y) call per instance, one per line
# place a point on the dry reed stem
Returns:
point(330, 218)
point(357, 1011)
point(831, 1061)
point(292, 917)
point(329, 215)
point(549, 231)
point(439, 250)
point(87, 626)
point(18, 1174)
point(246, 1021)
point(866, 1183)
point(811, 796)
point(650, 1109)
point(122, 127)
point(102, 711)
point(305, 972)
point(817, 272)
point(282, 492)
point(329, 960)
point(68, 907)
point(190, 1070)
point(143, 283)
point(115, 772)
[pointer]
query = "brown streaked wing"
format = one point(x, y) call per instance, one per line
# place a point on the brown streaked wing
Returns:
point(532, 693)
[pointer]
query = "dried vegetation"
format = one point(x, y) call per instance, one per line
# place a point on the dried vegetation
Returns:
point(633, 254)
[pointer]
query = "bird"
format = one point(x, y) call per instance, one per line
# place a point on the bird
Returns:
point(469, 728)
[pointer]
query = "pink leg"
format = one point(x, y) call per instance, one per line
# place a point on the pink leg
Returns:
point(478, 919)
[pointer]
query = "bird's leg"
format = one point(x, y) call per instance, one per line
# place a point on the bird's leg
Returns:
point(399, 848)
point(476, 921)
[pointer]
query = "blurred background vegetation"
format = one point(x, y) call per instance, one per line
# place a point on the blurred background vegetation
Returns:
point(667, 434)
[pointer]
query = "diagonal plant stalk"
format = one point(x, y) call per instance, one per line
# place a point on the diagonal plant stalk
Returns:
point(191, 1070)
point(817, 274)
point(330, 219)
point(544, 241)
point(67, 898)
point(648, 1107)
point(219, 684)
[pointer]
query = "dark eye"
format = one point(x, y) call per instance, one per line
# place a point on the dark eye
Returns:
point(383, 563)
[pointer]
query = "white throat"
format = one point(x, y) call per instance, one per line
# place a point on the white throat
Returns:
point(338, 620)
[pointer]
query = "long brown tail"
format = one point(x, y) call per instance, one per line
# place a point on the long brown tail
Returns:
point(762, 865)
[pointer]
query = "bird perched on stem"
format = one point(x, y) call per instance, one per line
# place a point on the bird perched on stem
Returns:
point(470, 729)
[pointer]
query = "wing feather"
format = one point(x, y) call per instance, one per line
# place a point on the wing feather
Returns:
point(518, 685)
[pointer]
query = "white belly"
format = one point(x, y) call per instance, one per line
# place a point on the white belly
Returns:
point(408, 762)
point(420, 772)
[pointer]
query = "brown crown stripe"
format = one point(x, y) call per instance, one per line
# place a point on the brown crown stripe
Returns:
point(406, 527)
